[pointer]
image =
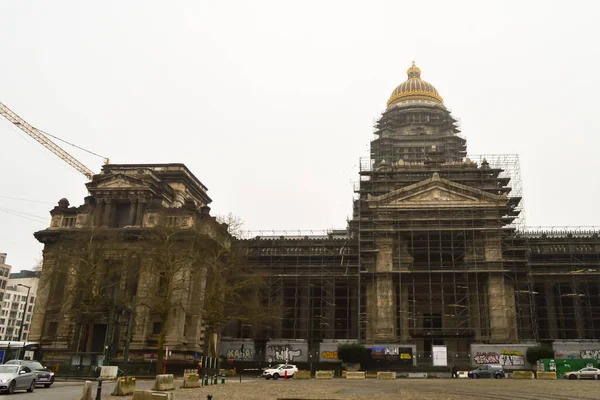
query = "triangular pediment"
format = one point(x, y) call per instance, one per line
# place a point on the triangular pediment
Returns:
point(439, 193)
point(119, 182)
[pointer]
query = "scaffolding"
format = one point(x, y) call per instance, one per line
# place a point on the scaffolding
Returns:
point(437, 253)
point(455, 268)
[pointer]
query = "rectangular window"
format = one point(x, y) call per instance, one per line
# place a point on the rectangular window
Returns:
point(2, 321)
point(7, 294)
point(3, 284)
point(52, 329)
point(28, 318)
point(30, 309)
point(31, 299)
point(25, 327)
point(156, 328)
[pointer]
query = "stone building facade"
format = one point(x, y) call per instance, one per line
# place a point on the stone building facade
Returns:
point(436, 253)
point(125, 201)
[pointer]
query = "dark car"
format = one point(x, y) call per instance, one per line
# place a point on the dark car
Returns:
point(44, 377)
point(488, 371)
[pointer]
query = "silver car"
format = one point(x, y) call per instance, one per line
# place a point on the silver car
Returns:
point(16, 377)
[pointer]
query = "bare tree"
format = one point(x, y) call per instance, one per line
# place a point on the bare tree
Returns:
point(234, 290)
point(177, 262)
point(85, 281)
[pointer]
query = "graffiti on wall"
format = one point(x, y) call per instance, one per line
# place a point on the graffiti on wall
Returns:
point(237, 355)
point(505, 357)
point(280, 352)
point(330, 355)
point(595, 354)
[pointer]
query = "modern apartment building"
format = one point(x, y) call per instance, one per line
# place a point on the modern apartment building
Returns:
point(17, 305)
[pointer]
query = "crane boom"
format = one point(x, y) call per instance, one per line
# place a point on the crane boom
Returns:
point(44, 140)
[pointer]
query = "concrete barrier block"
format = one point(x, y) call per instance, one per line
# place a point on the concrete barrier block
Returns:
point(125, 386)
point(417, 375)
point(523, 375)
point(108, 372)
point(191, 381)
point(302, 375)
point(87, 391)
point(152, 395)
point(324, 374)
point(546, 375)
point(386, 375)
point(164, 382)
point(371, 374)
point(355, 375)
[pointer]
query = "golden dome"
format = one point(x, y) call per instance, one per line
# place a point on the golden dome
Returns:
point(414, 88)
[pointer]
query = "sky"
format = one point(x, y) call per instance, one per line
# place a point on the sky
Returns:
point(271, 103)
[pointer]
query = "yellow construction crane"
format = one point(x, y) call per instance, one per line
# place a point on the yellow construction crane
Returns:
point(42, 137)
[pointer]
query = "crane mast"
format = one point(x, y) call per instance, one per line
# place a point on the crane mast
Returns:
point(45, 141)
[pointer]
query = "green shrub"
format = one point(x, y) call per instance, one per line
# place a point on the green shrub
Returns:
point(538, 352)
point(354, 353)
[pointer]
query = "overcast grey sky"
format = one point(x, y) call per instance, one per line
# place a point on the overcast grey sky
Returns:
point(271, 103)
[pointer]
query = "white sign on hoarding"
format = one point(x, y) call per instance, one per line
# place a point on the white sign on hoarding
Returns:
point(440, 356)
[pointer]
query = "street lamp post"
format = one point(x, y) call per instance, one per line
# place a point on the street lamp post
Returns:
point(310, 324)
point(24, 312)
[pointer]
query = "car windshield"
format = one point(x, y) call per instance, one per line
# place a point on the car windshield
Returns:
point(9, 369)
point(34, 365)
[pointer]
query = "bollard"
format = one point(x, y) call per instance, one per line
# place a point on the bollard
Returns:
point(99, 390)
point(223, 379)
point(205, 380)
point(215, 379)
point(285, 375)
point(209, 397)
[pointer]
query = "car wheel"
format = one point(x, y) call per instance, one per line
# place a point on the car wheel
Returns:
point(47, 385)
point(32, 386)
point(275, 376)
point(475, 376)
point(11, 387)
point(572, 377)
point(497, 376)
point(267, 377)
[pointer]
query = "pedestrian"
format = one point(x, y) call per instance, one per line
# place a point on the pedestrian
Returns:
point(200, 368)
point(454, 371)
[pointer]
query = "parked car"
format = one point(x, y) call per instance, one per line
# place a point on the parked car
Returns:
point(279, 370)
point(583, 373)
point(16, 377)
point(44, 377)
point(487, 371)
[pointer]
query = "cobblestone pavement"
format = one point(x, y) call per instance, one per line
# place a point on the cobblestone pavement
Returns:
point(438, 389)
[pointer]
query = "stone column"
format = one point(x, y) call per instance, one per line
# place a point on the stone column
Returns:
point(98, 213)
point(385, 294)
point(503, 324)
point(139, 213)
point(551, 310)
point(106, 218)
point(41, 300)
point(132, 208)
point(177, 316)
point(142, 328)
point(404, 313)
point(303, 312)
point(579, 313)
point(65, 329)
point(329, 310)
point(475, 312)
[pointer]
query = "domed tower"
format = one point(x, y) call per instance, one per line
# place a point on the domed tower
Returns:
point(415, 123)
